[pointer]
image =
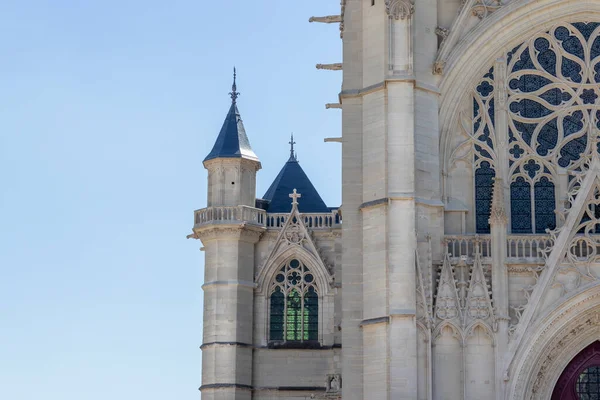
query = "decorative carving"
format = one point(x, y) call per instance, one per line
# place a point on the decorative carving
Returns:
point(442, 32)
point(479, 303)
point(447, 304)
point(399, 9)
point(294, 235)
point(498, 211)
point(334, 383)
point(438, 67)
point(483, 8)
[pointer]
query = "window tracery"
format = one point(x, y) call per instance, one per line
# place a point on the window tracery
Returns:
point(294, 304)
point(552, 84)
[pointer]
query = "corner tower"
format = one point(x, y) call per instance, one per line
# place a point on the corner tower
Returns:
point(231, 164)
point(229, 227)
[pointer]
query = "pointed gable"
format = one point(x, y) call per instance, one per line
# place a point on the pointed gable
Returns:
point(291, 177)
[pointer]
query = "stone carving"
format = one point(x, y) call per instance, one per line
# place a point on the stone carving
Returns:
point(295, 236)
point(442, 32)
point(447, 305)
point(482, 8)
point(498, 211)
point(438, 67)
point(334, 383)
point(399, 9)
point(479, 304)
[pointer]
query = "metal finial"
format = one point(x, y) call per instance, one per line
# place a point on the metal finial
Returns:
point(234, 94)
point(292, 143)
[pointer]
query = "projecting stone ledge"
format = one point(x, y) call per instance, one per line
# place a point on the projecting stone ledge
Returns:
point(328, 19)
point(330, 67)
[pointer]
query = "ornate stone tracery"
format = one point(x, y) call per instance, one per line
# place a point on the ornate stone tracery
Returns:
point(399, 9)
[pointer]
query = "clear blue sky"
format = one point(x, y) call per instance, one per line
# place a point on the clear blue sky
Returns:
point(107, 109)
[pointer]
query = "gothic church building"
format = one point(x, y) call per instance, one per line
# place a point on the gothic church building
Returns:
point(464, 261)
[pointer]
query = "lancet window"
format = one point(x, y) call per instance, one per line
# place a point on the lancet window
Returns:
point(294, 304)
point(550, 88)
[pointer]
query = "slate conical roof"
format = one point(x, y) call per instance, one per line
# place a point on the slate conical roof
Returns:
point(291, 177)
point(232, 141)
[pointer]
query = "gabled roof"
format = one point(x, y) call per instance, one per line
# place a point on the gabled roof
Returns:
point(232, 141)
point(291, 177)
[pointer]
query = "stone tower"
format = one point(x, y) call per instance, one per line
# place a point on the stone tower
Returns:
point(228, 231)
point(391, 189)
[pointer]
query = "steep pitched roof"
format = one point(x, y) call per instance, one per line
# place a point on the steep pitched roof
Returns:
point(291, 177)
point(232, 141)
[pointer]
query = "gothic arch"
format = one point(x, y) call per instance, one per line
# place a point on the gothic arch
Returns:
point(551, 343)
point(476, 52)
point(267, 273)
point(485, 327)
point(448, 324)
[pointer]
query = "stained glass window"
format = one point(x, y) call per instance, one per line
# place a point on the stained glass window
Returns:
point(484, 185)
point(520, 205)
point(552, 99)
point(294, 308)
point(545, 203)
point(587, 386)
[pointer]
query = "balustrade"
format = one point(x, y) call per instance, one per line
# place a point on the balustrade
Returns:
point(464, 245)
point(262, 218)
point(519, 248)
point(526, 246)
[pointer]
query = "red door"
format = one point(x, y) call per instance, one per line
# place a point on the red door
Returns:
point(581, 379)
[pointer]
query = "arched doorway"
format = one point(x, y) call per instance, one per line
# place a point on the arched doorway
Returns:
point(581, 378)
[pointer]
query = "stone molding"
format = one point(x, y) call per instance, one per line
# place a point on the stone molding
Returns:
point(243, 232)
point(399, 9)
point(552, 343)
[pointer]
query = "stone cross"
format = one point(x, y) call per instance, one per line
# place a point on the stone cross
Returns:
point(294, 196)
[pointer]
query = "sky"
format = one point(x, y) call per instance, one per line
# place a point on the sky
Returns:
point(107, 109)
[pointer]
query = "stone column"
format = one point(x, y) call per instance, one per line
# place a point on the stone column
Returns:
point(228, 310)
point(401, 210)
point(498, 226)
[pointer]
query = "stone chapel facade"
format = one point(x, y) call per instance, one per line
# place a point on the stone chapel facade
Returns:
point(464, 261)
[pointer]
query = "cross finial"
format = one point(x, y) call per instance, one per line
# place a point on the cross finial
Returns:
point(295, 196)
point(234, 93)
point(292, 143)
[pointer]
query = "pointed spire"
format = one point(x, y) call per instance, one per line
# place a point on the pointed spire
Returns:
point(234, 94)
point(292, 154)
point(232, 141)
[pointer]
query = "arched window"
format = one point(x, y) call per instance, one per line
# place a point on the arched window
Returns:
point(550, 104)
point(580, 380)
point(294, 304)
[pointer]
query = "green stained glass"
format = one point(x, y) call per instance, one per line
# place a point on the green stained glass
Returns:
point(294, 305)
point(277, 311)
point(293, 316)
point(311, 315)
